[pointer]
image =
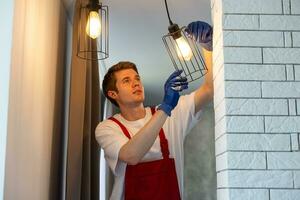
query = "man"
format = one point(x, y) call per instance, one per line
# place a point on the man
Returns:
point(144, 146)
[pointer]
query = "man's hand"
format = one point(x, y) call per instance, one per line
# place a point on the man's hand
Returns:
point(201, 32)
point(173, 86)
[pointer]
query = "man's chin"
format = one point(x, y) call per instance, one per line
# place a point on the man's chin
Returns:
point(140, 100)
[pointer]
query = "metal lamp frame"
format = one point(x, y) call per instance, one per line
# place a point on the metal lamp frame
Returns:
point(193, 68)
point(88, 48)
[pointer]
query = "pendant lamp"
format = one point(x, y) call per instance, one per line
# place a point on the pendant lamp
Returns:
point(92, 41)
point(184, 52)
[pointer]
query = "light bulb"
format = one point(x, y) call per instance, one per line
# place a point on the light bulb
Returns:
point(183, 49)
point(93, 26)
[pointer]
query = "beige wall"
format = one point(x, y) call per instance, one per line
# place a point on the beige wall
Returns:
point(35, 100)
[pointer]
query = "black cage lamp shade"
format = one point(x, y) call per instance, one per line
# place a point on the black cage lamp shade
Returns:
point(93, 35)
point(184, 52)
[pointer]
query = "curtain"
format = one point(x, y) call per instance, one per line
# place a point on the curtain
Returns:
point(83, 153)
point(36, 98)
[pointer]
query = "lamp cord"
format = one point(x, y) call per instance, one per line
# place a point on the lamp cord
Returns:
point(170, 21)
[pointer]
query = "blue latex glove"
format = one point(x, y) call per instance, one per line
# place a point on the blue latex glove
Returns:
point(173, 86)
point(201, 32)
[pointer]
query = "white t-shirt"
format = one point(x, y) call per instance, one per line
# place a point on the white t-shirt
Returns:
point(111, 138)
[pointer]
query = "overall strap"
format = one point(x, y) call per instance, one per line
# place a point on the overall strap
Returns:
point(124, 129)
point(163, 140)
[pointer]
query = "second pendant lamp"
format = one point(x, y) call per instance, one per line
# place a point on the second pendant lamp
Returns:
point(92, 41)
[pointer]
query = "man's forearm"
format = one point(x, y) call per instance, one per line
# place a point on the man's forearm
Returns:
point(135, 149)
point(208, 79)
point(204, 93)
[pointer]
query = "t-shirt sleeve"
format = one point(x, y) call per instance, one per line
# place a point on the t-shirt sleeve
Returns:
point(184, 115)
point(111, 139)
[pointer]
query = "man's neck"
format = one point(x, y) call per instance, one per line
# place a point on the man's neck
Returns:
point(133, 113)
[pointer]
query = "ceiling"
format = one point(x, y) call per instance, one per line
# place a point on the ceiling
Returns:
point(136, 30)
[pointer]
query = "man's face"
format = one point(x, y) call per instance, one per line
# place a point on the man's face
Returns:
point(130, 88)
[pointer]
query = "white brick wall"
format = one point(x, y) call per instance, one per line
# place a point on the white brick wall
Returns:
point(247, 106)
point(286, 6)
point(297, 72)
point(295, 6)
point(285, 194)
point(298, 106)
point(279, 124)
point(245, 124)
point(295, 141)
point(242, 55)
point(256, 179)
point(253, 38)
point(281, 55)
point(252, 6)
point(241, 160)
point(244, 194)
point(252, 72)
point(297, 179)
point(281, 89)
point(257, 99)
point(258, 142)
point(241, 22)
point(249, 89)
point(296, 39)
point(279, 22)
point(283, 160)
point(290, 74)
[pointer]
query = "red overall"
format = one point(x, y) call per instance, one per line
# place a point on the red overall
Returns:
point(154, 180)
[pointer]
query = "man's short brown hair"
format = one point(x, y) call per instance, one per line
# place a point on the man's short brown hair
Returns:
point(109, 81)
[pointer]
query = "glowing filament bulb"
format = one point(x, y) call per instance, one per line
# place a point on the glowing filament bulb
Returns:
point(183, 49)
point(93, 26)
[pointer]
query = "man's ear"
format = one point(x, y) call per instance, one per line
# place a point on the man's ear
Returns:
point(112, 94)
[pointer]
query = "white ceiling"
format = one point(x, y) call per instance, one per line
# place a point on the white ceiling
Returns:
point(136, 30)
